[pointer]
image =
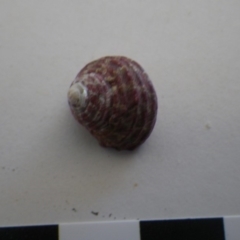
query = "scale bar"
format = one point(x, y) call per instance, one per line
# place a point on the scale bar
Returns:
point(222, 228)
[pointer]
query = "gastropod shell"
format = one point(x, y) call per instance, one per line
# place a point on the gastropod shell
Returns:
point(115, 100)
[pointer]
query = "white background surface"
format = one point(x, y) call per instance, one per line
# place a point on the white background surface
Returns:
point(52, 170)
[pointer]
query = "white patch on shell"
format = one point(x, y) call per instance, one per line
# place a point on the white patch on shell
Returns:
point(91, 75)
point(77, 95)
point(114, 89)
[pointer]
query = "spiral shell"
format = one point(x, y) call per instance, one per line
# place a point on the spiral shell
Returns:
point(115, 100)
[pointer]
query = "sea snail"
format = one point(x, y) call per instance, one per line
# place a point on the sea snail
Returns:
point(115, 100)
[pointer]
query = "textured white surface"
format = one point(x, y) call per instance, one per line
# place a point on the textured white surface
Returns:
point(100, 230)
point(52, 170)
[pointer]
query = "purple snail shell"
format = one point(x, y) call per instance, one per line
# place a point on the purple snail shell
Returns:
point(115, 100)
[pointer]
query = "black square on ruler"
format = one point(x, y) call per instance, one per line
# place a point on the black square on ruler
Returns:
point(189, 229)
point(48, 232)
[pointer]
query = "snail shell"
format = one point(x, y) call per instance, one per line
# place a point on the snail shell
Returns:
point(115, 100)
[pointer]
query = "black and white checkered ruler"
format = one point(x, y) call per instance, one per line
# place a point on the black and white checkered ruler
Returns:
point(227, 228)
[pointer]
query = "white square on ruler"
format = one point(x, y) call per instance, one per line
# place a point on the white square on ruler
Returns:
point(232, 228)
point(100, 231)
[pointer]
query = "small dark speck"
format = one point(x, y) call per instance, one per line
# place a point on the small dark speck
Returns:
point(103, 216)
point(135, 185)
point(124, 218)
point(3, 168)
point(110, 215)
point(74, 209)
point(115, 218)
point(13, 170)
point(207, 126)
point(94, 213)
